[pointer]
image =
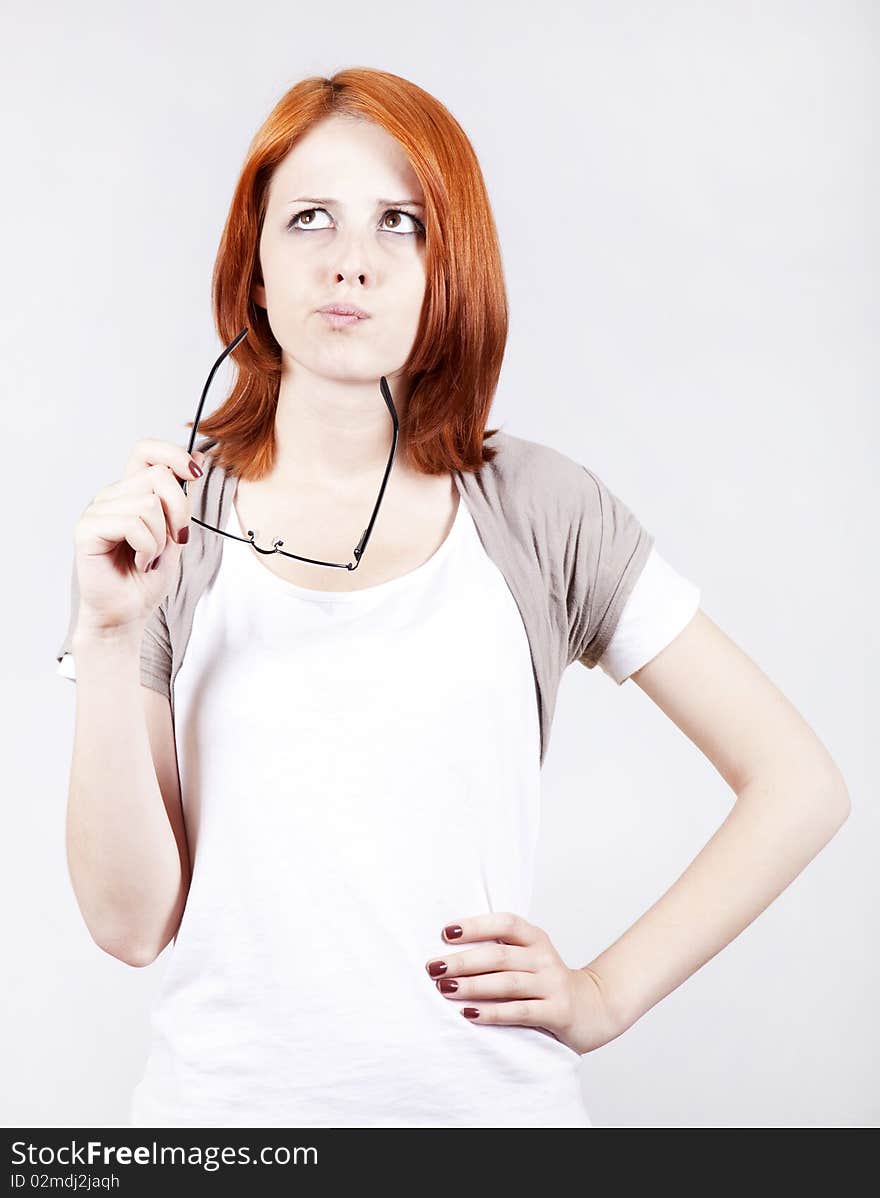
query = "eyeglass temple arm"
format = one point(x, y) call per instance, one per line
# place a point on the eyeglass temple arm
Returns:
point(229, 348)
point(386, 395)
point(195, 428)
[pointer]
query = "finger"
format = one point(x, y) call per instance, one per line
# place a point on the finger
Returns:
point(153, 452)
point(506, 986)
point(100, 532)
point(502, 928)
point(489, 958)
point(493, 925)
point(160, 479)
point(149, 508)
point(521, 1012)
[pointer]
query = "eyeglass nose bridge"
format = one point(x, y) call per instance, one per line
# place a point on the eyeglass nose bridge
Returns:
point(276, 548)
point(275, 544)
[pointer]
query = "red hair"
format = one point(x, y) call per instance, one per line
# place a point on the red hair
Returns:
point(456, 358)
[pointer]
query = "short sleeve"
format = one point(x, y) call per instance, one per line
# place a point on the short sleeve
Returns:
point(609, 552)
point(156, 656)
point(661, 604)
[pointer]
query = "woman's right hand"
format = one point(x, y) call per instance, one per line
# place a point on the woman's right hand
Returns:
point(129, 525)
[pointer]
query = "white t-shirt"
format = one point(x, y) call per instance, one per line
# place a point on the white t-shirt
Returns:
point(357, 771)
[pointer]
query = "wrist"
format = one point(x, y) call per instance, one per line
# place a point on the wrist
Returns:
point(112, 640)
point(617, 1016)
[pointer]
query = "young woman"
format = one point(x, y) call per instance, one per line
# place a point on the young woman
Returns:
point(322, 784)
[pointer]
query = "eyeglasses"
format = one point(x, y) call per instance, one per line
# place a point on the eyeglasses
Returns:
point(359, 549)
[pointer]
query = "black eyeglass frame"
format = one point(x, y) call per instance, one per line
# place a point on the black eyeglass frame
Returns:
point(361, 546)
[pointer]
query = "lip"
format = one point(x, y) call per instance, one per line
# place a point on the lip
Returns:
point(336, 320)
point(344, 310)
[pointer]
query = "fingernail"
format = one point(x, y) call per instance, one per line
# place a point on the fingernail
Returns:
point(183, 536)
point(448, 985)
point(194, 470)
point(452, 932)
point(436, 968)
point(470, 1012)
point(155, 564)
point(148, 567)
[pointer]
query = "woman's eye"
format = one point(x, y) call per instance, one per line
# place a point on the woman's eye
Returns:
point(309, 214)
point(420, 228)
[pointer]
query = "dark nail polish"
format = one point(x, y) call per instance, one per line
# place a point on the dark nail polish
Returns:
point(155, 564)
point(470, 1012)
point(448, 985)
point(194, 470)
point(452, 932)
point(436, 968)
point(183, 536)
point(148, 567)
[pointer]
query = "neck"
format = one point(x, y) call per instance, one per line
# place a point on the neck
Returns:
point(328, 432)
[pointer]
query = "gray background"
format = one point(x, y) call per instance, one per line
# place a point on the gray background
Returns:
point(683, 193)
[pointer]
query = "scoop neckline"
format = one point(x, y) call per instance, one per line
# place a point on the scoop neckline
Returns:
point(363, 594)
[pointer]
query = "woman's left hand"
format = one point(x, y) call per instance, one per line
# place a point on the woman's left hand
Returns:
point(522, 981)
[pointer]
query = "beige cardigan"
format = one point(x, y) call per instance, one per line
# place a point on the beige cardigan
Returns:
point(568, 548)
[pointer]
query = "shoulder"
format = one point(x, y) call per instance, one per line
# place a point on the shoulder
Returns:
point(540, 476)
point(517, 455)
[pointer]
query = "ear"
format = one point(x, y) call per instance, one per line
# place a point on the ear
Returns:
point(258, 295)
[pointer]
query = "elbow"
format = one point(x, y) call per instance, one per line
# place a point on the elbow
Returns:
point(841, 809)
point(134, 955)
point(122, 944)
point(138, 960)
point(837, 797)
point(833, 804)
point(818, 798)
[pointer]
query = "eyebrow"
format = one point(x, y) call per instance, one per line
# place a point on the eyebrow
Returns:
point(386, 203)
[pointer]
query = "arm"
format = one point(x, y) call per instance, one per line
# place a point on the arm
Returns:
point(126, 842)
point(790, 800)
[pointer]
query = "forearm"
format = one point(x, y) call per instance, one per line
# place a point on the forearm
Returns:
point(122, 855)
point(776, 827)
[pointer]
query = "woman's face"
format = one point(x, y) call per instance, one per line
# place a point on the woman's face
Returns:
point(353, 240)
